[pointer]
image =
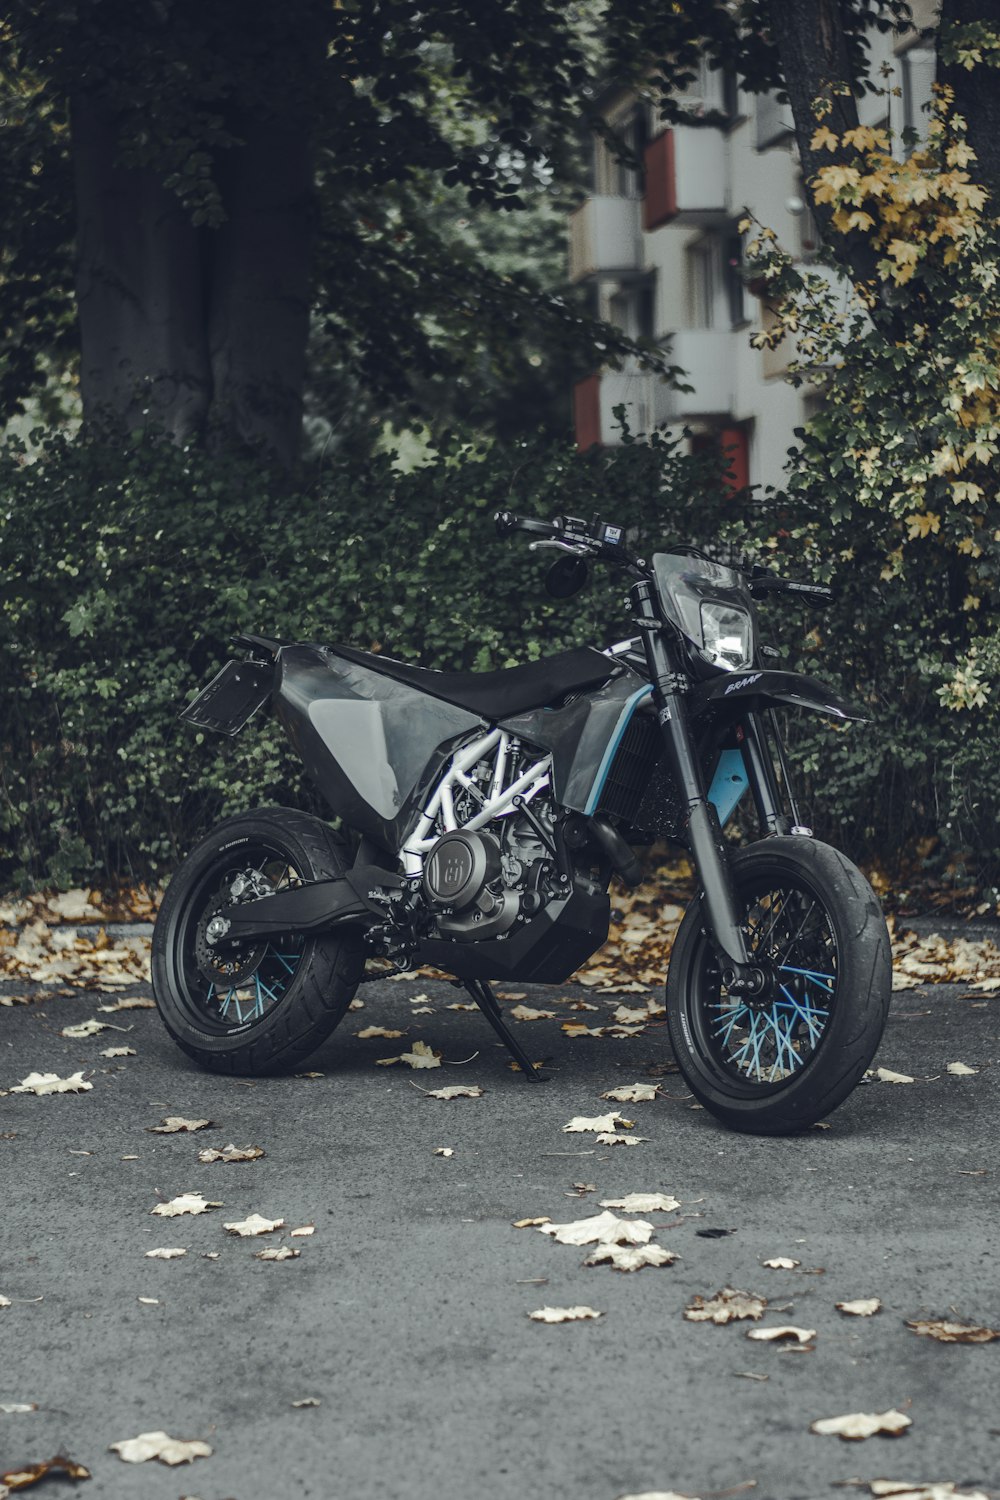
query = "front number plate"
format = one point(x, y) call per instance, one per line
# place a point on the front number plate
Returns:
point(231, 698)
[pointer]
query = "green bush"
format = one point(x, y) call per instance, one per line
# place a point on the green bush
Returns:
point(123, 571)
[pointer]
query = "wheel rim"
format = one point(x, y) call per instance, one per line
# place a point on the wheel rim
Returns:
point(764, 1044)
point(235, 988)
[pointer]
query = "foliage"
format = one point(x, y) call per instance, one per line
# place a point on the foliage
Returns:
point(896, 476)
point(125, 570)
point(417, 114)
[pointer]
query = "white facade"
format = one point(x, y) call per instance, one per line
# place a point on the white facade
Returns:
point(662, 257)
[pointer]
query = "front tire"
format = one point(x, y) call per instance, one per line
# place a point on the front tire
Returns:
point(777, 1065)
point(261, 1008)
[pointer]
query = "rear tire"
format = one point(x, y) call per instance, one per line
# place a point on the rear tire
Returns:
point(262, 1008)
point(778, 1065)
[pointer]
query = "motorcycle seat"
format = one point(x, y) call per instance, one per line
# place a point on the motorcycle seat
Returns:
point(497, 695)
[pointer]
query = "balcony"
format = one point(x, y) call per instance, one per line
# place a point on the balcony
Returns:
point(595, 399)
point(687, 179)
point(708, 356)
point(605, 238)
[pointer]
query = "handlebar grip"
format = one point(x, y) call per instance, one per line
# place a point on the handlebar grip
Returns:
point(507, 522)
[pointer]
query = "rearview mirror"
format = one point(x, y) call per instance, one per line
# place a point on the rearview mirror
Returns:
point(566, 577)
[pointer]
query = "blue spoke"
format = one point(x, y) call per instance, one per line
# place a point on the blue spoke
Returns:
point(810, 974)
point(807, 1013)
point(783, 1045)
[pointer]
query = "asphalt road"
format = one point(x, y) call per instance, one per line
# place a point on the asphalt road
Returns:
point(405, 1315)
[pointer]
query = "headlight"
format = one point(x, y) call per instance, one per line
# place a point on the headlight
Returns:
point(727, 633)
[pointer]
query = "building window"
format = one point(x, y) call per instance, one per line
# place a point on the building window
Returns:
point(632, 308)
point(614, 177)
point(774, 121)
point(703, 281)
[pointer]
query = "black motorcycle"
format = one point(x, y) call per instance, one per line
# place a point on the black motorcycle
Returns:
point(490, 811)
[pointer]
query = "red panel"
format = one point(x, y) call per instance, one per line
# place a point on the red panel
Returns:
point(659, 205)
point(587, 412)
point(736, 452)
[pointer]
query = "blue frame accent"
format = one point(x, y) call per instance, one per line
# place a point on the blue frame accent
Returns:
point(728, 784)
point(612, 746)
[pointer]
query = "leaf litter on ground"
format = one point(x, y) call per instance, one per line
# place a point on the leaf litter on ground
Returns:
point(51, 1083)
point(175, 1123)
point(856, 1426)
point(563, 1314)
point(185, 1203)
point(726, 1306)
point(600, 1229)
point(159, 1445)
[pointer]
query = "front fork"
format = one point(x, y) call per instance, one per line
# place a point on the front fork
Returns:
point(704, 832)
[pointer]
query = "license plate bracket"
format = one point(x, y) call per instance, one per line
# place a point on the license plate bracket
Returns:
point(232, 697)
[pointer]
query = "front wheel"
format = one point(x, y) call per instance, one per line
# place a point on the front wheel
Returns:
point(264, 1006)
point(780, 1062)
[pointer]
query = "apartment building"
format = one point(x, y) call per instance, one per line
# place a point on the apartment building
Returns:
point(660, 254)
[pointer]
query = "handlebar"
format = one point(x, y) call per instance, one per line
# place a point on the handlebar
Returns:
point(601, 541)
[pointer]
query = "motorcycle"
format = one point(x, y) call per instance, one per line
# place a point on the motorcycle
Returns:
point(490, 811)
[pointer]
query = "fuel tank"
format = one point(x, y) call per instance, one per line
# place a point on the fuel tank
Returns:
point(373, 746)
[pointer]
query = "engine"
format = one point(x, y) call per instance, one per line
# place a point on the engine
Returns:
point(479, 883)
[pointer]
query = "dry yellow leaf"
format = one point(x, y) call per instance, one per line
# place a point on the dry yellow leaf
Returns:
point(563, 1314)
point(643, 1203)
point(159, 1445)
point(51, 1083)
point(632, 1093)
point(600, 1229)
point(186, 1203)
point(231, 1153)
point(947, 1332)
point(861, 1307)
point(255, 1224)
point(631, 1257)
point(855, 1426)
point(174, 1123)
point(785, 1331)
point(726, 1306)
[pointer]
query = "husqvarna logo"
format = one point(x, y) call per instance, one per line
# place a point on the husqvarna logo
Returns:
point(742, 682)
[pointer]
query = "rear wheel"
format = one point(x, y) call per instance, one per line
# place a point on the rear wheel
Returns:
point(263, 1007)
point(780, 1062)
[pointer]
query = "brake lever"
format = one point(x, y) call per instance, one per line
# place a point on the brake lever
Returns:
point(574, 548)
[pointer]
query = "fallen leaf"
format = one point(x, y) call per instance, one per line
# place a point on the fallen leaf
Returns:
point(423, 1010)
point(581, 1123)
point(942, 1490)
point(255, 1224)
point(149, 1301)
point(608, 1138)
point(210, 1255)
point(316, 1075)
point(600, 1229)
point(631, 1257)
point(20, 1479)
point(12, 1408)
point(531, 1223)
point(563, 1314)
point(459, 1005)
point(643, 1203)
point(581, 1005)
point(174, 1123)
point(186, 1203)
point(960, 1070)
point(85, 1028)
point(284, 1252)
point(886, 1075)
point(164, 1254)
point(577, 1028)
point(953, 1333)
point(119, 1052)
point(632, 1093)
point(51, 1083)
point(159, 1445)
point(443, 1151)
point(785, 1331)
point(422, 1056)
point(855, 1426)
point(129, 1003)
point(861, 1307)
point(525, 1013)
point(231, 1153)
point(5, 1301)
point(303, 1231)
point(627, 1015)
point(307, 1401)
point(781, 1263)
point(383, 1031)
point(456, 1091)
point(726, 1307)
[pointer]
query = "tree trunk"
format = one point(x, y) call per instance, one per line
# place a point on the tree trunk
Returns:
point(196, 331)
point(809, 38)
point(977, 94)
point(140, 291)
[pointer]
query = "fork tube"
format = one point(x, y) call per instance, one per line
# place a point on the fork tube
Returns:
point(704, 833)
point(760, 774)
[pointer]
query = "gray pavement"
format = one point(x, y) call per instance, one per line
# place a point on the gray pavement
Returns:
point(406, 1313)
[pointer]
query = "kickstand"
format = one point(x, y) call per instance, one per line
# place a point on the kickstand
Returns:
point(482, 992)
